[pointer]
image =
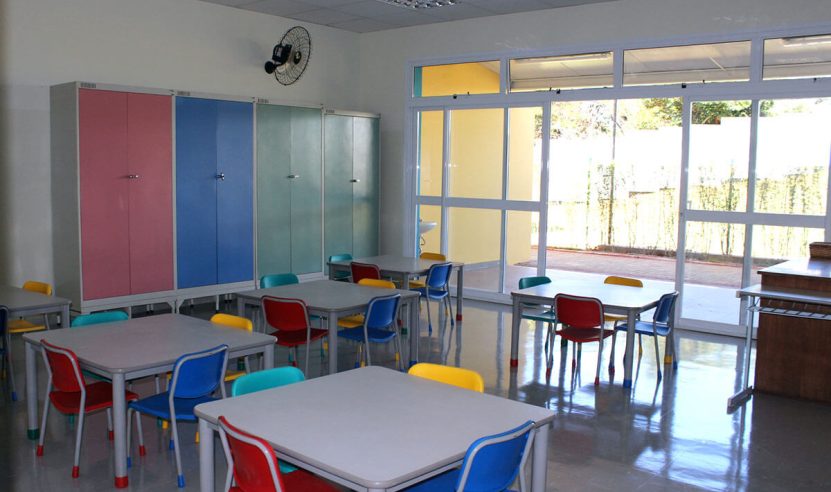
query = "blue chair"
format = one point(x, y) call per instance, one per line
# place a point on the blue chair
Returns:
point(6, 350)
point(278, 279)
point(196, 377)
point(491, 464)
point(380, 326)
point(438, 278)
point(342, 275)
point(661, 324)
point(98, 318)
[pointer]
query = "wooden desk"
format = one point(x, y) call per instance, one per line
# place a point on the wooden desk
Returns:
point(373, 428)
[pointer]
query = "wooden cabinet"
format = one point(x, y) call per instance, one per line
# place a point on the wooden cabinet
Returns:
point(111, 195)
point(351, 185)
point(289, 190)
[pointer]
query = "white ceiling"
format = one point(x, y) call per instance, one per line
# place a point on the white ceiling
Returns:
point(373, 15)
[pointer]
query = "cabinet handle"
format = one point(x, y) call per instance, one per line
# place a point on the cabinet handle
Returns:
point(293, 176)
point(133, 176)
point(220, 176)
point(354, 180)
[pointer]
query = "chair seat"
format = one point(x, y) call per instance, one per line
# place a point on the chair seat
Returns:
point(375, 334)
point(297, 337)
point(645, 328)
point(158, 406)
point(417, 284)
point(99, 397)
point(435, 294)
point(22, 326)
point(300, 481)
point(351, 321)
point(583, 335)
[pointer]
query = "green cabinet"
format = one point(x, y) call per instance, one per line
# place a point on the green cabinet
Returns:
point(289, 188)
point(350, 149)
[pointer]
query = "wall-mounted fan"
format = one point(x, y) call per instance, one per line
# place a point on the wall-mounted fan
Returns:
point(290, 56)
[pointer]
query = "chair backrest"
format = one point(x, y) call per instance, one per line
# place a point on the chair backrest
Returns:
point(340, 257)
point(631, 282)
point(492, 463)
point(199, 373)
point(374, 282)
point(382, 311)
point(285, 314)
point(364, 270)
point(578, 312)
point(526, 282)
point(98, 318)
point(457, 376)
point(432, 256)
point(39, 287)
point(664, 309)
point(63, 368)
point(233, 321)
point(266, 379)
point(4, 320)
point(278, 279)
point(254, 463)
point(439, 275)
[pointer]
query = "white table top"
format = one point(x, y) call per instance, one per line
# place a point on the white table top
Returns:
point(373, 426)
point(328, 295)
point(397, 264)
point(16, 298)
point(611, 295)
point(148, 342)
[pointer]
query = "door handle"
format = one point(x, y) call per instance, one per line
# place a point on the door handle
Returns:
point(133, 176)
point(220, 176)
point(354, 180)
point(293, 176)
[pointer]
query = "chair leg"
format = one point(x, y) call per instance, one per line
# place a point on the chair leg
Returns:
point(599, 358)
point(180, 477)
point(308, 347)
point(10, 370)
point(640, 345)
point(573, 356)
point(142, 449)
point(129, 435)
point(612, 355)
point(657, 357)
point(79, 435)
point(43, 420)
point(109, 424)
point(398, 352)
point(429, 321)
point(450, 307)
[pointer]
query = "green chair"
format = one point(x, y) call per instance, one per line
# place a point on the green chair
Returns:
point(342, 275)
point(98, 318)
point(278, 279)
point(540, 312)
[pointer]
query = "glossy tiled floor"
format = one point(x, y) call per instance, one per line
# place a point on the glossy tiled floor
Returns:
point(673, 435)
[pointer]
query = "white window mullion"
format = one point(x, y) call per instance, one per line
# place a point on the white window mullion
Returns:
point(445, 176)
point(681, 246)
point(747, 259)
point(545, 149)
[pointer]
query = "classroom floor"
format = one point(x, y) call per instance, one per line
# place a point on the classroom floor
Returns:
point(672, 435)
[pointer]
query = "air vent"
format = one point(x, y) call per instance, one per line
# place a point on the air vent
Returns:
point(183, 93)
point(87, 85)
point(261, 100)
point(329, 111)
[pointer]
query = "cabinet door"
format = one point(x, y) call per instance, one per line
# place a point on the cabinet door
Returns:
point(235, 193)
point(306, 207)
point(337, 148)
point(149, 160)
point(105, 248)
point(196, 209)
point(365, 188)
point(273, 189)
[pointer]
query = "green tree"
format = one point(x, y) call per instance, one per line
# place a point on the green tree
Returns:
point(705, 112)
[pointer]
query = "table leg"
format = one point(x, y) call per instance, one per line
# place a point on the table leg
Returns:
point(415, 330)
point(333, 342)
point(516, 318)
point(64, 316)
point(32, 432)
point(747, 391)
point(268, 357)
point(460, 283)
point(240, 307)
point(405, 281)
point(539, 471)
point(629, 353)
point(120, 427)
point(206, 456)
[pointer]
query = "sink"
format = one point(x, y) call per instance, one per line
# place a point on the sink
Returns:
point(425, 227)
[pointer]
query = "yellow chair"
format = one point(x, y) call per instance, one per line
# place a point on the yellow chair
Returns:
point(23, 326)
point(618, 318)
point(419, 284)
point(457, 376)
point(357, 320)
point(234, 322)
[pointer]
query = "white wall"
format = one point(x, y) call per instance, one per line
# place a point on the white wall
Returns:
point(384, 55)
point(172, 44)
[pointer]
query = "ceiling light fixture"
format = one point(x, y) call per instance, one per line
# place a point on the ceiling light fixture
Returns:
point(420, 4)
point(565, 58)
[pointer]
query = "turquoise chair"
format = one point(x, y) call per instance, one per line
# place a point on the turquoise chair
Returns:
point(278, 279)
point(98, 318)
point(342, 275)
point(544, 314)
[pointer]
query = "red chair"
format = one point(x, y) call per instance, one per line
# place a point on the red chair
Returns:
point(256, 467)
point(364, 270)
point(582, 320)
point(72, 395)
point(290, 319)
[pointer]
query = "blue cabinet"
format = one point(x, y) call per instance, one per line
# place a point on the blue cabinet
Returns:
point(214, 192)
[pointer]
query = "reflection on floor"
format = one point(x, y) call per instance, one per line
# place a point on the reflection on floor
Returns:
point(672, 435)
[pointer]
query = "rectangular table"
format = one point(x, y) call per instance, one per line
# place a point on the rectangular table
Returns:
point(332, 300)
point(23, 303)
point(373, 428)
point(402, 268)
point(616, 299)
point(132, 349)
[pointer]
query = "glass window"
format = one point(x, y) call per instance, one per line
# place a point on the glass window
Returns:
point(797, 57)
point(456, 78)
point(718, 62)
point(430, 152)
point(524, 153)
point(429, 228)
point(775, 244)
point(521, 246)
point(562, 72)
point(475, 167)
point(474, 237)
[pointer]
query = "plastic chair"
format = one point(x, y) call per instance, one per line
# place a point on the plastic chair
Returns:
point(457, 376)
point(582, 320)
point(661, 324)
point(617, 318)
point(256, 467)
point(98, 318)
point(491, 464)
point(196, 377)
point(239, 323)
point(6, 351)
point(357, 320)
point(16, 326)
point(419, 284)
point(340, 274)
point(437, 289)
point(381, 314)
point(364, 270)
point(278, 279)
point(67, 391)
point(544, 313)
point(290, 320)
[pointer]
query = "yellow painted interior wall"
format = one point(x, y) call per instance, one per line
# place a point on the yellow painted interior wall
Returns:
point(476, 160)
